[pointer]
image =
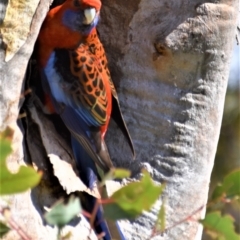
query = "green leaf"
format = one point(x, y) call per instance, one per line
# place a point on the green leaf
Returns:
point(21, 181)
point(230, 188)
point(131, 200)
point(220, 227)
point(3, 229)
point(161, 219)
point(5, 144)
point(11, 183)
point(115, 173)
point(62, 214)
point(115, 212)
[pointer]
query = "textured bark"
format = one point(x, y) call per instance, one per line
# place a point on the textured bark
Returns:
point(170, 63)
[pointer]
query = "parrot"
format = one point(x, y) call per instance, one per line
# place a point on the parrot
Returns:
point(77, 83)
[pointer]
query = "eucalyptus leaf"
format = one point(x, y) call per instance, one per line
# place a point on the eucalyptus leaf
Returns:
point(4, 229)
point(161, 219)
point(61, 213)
point(5, 144)
point(220, 227)
point(230, 188)
point(132, 199)
point(115, 173)
point(12, 183)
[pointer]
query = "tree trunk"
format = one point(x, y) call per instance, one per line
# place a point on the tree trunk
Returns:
point(169, 61)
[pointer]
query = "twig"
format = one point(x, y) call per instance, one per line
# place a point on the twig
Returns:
point(11, 222)
point(93, 215)
point(189, 217)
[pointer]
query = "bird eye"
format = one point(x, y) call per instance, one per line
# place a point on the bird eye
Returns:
point(89, 14)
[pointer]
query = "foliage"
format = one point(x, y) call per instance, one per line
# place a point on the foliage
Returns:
point(126, 203)
point(230, 188)
point(61, 213)
point(217, 225)
point(129, 201)
point(161, 221)
point(224, 197)
point(114, 173)
point(12, 183)
point(120, 205)
point(21, 181)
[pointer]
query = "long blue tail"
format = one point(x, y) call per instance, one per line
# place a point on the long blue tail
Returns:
point(89, 176)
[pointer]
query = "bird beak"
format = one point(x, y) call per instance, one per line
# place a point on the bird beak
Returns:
point(89, 14)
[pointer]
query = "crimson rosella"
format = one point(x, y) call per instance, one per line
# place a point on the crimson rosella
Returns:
point(76, 79)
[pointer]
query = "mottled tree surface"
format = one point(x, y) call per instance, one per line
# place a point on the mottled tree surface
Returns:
point(169, 61)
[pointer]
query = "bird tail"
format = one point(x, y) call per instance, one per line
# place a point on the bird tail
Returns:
point(89, 175)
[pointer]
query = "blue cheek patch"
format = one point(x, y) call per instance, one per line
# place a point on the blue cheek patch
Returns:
point(74, 21)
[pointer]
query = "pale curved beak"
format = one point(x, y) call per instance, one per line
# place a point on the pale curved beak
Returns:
point(89, 14)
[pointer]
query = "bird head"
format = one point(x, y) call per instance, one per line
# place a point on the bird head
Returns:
point(82, 16)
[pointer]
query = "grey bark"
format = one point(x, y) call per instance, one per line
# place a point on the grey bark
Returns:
point(169, 61)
